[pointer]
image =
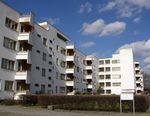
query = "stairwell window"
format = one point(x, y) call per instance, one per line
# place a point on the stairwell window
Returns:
point(9, 43)
point(44, 56)
point(43, 72)
point(44, 41)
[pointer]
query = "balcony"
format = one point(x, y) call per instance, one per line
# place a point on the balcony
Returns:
point(69, 58)
point(25, 36)
point(25, 55)
point(27, 18)
point(69, 83)
point(88, 77)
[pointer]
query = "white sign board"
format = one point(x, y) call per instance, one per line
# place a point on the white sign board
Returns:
point(127, 96)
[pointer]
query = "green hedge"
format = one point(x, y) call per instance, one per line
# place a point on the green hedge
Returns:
point(80, 102)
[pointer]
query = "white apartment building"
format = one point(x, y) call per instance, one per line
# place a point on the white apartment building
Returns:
point(37, 58)
point(120, 73)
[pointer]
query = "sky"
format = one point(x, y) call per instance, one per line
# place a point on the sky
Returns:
point(97, 27)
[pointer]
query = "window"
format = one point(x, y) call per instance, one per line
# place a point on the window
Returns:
point(101, 69)
point(57, 48)
point(50, 70)
point(7, 64)
point(11, 24)
point(115, 68)
point(57, 75)
point(62, 51)
point(108, 76)
point(50, 63)
point(101, 62)
point(101, 84)
point(117, 84)
point(62, 64)
point(57, 62)
point(44, 41)
point(62, 76)
point(50, 55)
point(37, 67)
point(116, 76)
point(107, 69)
point(77, 69)
point(108, 91)
point(107, 61)
point(38, 51)
point(108, 84)
point(39, 35)
point(43, 72)
point(62, 89)
point(50, 49)
point(9, 43)
point(115, 61)
point(36, 85)
point(49, 78)
point(8, 85)
point(51, 41)
point(49, 85)
point(101, 76)
point(44, 56)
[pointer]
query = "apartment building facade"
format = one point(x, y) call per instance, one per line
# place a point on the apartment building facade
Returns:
point(120, 73)
point(36, 58)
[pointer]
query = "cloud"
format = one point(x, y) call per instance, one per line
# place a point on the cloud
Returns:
point(126, 8)
point(88, 44)
point(136, 20)
point(141, 50)
point(85, 8)
point(52, 21)
point(114, 28)
point(100, 28)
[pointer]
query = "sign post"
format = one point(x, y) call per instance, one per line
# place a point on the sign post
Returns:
point(127, 96)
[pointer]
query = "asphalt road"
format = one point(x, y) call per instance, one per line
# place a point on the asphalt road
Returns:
point(36, 111)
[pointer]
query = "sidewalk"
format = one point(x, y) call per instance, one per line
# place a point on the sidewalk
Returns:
point(36, 111)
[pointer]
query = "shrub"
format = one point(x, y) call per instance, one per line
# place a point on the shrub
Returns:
point(9, 102)
point(88, 102)
point(29, 100)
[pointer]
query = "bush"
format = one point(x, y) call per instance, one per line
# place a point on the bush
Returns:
point(9, 102)
point(29, 100)
point(88, 102)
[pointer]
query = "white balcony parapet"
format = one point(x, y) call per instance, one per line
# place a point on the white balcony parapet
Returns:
point(69, 83)
point(69, 58)
point(89, 86)
point(88, 77)
point(21, 75)
point(25, 55)
point(29, 18)
point(25, 36)
point(70, 70)
point(88, 67)
point(70, 46)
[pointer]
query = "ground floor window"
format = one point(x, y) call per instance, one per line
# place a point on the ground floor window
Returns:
point(8, 85)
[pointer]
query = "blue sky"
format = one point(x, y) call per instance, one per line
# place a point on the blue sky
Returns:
point(98, 27)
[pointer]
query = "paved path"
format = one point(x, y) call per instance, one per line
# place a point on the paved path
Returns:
point(35, 111)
